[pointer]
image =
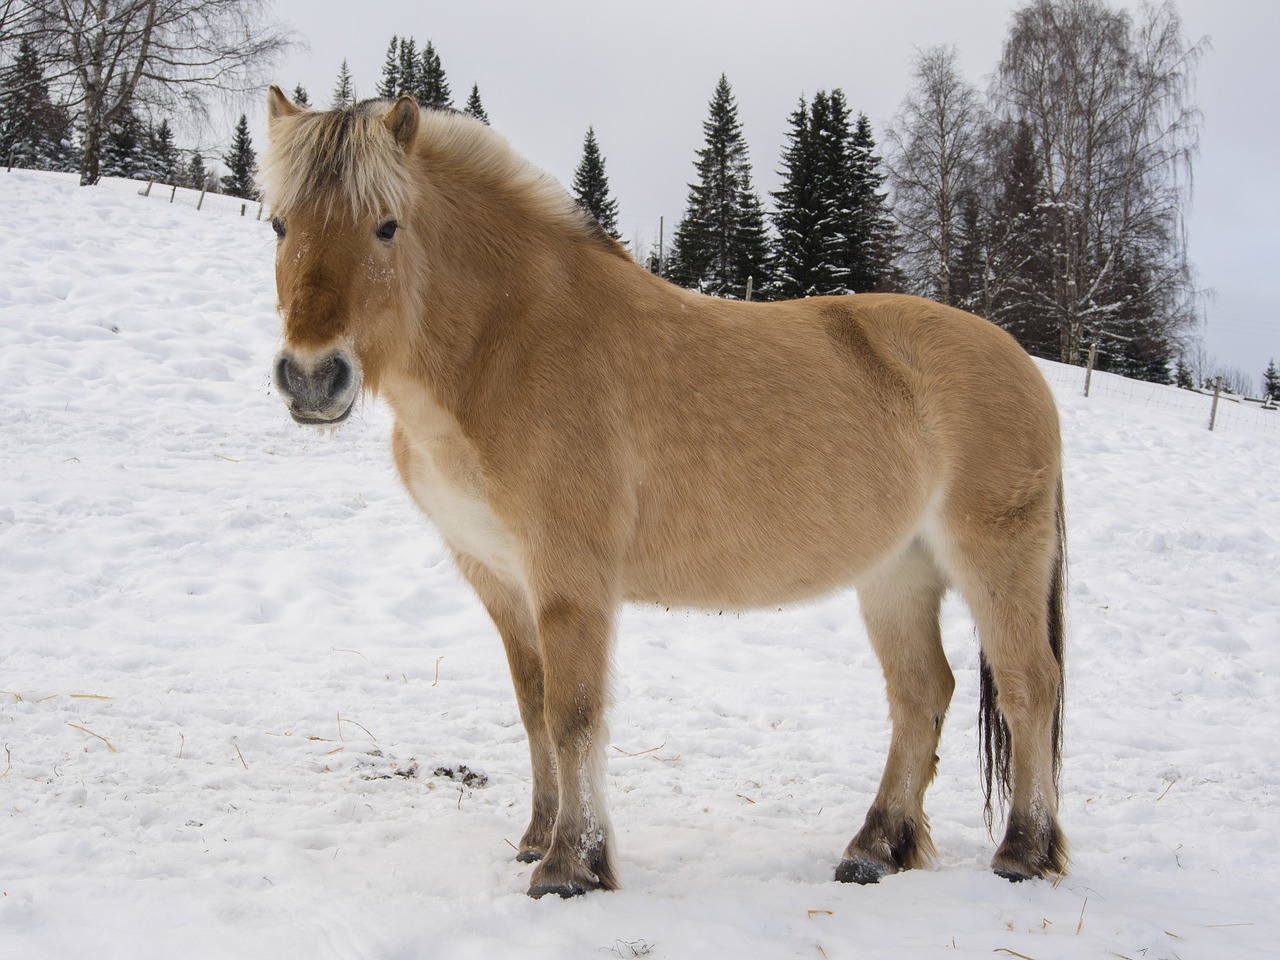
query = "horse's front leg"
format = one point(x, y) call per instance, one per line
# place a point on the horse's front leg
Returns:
point(574, 635)
point(512, 614)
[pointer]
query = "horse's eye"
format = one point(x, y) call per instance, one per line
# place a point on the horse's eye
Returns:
point(278, 226)
point(387, 230)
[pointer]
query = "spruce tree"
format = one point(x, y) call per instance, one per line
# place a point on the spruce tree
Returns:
point(872, 237)
point(801, 265)
point(1182, 374)
point(163, 153)
point(433, 87)
point(721, 242)
point(240, 161)
point(344, 93)
point(34, 132)
point(591, 187)
point(1020, 246)
point(300, 96)
point(832, 154)
point(1271, 381)
point(389, 86)
point(410, 68)
point(474, 107)
point(969, 271)
point(124, 147)
point(196, 176)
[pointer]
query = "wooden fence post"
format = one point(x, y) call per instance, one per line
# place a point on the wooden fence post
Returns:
point(173, 193)
point(749, 282)
point(147, 192)
point(1213, 412)
point(1088, 374)
point(200, 202)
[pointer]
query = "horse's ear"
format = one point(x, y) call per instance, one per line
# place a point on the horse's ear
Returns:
point(403, 120)
point(278, 105)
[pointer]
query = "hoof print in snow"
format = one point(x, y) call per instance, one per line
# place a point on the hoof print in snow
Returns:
point(404, 771)
point(464, 775)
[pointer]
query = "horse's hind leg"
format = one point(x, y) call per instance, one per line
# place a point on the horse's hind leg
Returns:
point(900, 605)
point(1010, 577)
point(512, 615)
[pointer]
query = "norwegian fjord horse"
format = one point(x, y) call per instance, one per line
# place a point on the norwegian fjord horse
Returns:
point(584, 434)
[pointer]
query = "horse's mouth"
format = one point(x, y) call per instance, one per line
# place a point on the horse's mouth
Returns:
point(311, 419)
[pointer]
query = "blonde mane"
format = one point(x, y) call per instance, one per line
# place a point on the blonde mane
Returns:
point(349, 154)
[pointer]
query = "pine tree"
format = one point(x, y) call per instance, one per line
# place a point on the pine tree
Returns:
point(163, 154)
point(721, 242)
point(389, 87)
point(833, 158)
point(474, 107)
point(968, 269)
point(300, 96)
point(410, 73)
point(240, 161)
point(196, 176)
point(433, 88)
point(344, 93)
point(123, 148)
point(1271, 381)
point(801, 265)
point(1182, 374)
point(34, 132)
point(1020, 246)
point(872, 237)
point(591, 187)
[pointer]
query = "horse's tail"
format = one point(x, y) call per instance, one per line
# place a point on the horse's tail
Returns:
point(994, 741)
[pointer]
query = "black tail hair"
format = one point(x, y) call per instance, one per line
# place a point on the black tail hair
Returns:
point(993, 733)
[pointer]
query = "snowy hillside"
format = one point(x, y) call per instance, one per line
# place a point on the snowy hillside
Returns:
point(238, 672)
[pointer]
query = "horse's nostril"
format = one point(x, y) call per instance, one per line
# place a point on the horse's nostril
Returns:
point(287, 375)
point(336, 375)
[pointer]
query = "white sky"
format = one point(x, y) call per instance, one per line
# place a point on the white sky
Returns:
point(643, 75)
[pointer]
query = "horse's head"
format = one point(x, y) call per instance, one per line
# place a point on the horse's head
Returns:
point(338, 185)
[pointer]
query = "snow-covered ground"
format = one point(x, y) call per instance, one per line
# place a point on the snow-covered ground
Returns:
point(238, 672)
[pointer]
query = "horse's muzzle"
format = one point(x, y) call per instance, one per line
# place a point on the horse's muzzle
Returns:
point(320, 391)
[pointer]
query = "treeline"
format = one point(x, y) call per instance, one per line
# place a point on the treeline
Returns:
point(38, 133)
point(1053, 204)
point(76, 77)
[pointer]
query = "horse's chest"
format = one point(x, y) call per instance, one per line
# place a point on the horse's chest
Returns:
point(443, 476)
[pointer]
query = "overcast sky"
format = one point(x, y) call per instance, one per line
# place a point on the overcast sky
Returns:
point(643, 73)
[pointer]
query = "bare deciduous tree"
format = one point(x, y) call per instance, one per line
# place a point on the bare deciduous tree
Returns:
point(174, 54)
point(933, 146)
point(1107, 100)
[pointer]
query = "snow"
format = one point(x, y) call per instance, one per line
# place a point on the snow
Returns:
point(234, 658)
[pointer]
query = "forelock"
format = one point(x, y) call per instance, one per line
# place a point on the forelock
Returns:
point(347, 156)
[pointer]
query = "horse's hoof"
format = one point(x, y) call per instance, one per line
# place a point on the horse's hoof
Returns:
point(860, 871)
point(1013, 876)
point(529, 856)
point(564, 891)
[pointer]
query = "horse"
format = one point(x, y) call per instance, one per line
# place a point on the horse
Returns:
point(584, 434)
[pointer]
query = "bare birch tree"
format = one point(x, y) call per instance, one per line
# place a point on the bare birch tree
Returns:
point(1107, 100)
point(933, 148)
point(173, 54)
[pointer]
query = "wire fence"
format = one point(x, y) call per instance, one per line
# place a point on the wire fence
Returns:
point(1231, 412)
point(200, 199)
